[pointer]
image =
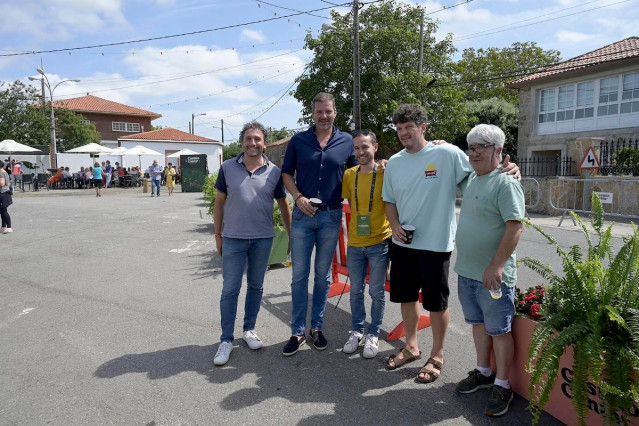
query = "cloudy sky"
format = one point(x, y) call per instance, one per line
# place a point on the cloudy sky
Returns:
point(237, 60)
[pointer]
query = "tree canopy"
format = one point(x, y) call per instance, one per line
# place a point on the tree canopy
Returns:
point(19, 119)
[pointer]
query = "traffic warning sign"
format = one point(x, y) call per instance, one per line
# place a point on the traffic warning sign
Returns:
point(590, 161)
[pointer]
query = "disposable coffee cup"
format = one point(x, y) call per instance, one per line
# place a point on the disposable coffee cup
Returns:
point(315, 202)
point(409, 230)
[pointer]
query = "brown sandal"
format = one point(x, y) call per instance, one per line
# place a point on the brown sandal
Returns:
point(398, 362)
point(430, 375)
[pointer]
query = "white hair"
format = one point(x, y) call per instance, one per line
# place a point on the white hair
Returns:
point(486, 134)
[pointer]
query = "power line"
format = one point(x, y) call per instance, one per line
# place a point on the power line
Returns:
point(165, 36)
point(289, 9)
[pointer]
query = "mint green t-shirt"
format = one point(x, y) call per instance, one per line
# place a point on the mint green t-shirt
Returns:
point(489, 202)
point(423, 186)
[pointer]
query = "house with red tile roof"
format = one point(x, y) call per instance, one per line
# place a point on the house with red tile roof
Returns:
point(170, 140)
point(567, 107)
point(111, 119)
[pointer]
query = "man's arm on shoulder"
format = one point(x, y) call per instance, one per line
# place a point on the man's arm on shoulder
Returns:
point(492, 276)
point(511, 168)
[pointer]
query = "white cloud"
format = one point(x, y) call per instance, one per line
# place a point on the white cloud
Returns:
point(252, 35)
point(573, 37)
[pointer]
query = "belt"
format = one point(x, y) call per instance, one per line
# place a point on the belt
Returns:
point(329, 207)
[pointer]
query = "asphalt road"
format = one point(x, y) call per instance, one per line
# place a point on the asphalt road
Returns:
point(110, 315)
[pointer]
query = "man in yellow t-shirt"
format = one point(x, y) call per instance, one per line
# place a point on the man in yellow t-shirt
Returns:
point(368, 233)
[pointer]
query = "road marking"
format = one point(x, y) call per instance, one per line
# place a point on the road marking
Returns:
point(195, 245)
point(25, 311)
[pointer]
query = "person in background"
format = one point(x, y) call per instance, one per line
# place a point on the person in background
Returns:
point(169, 176)
point(17, 175)
point(487, 235)
point(155, 172)
point(109, 174)
point(97, 179)
point(5, 200)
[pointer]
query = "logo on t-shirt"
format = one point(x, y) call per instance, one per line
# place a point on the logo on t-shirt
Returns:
point(431, 171)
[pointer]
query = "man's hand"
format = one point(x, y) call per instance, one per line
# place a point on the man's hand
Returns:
point(492, 277)
point(438, 142)
point(511, 168)
point(399, 234)
point(382, 163)
point(304, 205)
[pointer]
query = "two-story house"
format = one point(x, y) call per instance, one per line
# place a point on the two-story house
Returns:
point(567, 107)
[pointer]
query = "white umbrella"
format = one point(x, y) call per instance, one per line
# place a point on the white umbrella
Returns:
point(9, 146)
point(184, 151)
point(118, 151)
point(91, 148)
point(141, 150)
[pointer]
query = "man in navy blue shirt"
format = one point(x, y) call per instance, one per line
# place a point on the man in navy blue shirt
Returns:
point(313, 167)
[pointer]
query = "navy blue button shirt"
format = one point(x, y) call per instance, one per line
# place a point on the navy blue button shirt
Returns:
point(319, 171)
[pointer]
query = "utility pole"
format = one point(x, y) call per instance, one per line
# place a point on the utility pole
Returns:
point(222, 131)
point(357, 112)
point(421, 44)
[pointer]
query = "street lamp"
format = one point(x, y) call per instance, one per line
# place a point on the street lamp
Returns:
point(193, 121)
point(45, 81)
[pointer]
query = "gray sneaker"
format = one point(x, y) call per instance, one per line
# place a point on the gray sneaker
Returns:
point(371, 346)
point(354, 340)
point(498, 401)
point(474, 382)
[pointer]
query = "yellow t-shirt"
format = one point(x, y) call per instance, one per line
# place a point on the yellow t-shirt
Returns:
point(380, 227)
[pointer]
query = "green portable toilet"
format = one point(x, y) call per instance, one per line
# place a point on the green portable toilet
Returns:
point(193, 170)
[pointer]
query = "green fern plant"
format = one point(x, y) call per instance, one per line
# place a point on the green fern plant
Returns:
point(593, 307)
point(210, 192)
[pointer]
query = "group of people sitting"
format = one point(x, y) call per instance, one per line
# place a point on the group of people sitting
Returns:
point(83, 178)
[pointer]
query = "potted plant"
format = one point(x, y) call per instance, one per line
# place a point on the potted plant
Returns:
point(593, 310)
point(279, 250)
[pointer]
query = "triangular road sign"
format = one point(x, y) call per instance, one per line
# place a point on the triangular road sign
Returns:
point(590, 161)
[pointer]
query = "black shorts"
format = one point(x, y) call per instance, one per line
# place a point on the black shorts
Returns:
point(414, 270)
point(97, 183)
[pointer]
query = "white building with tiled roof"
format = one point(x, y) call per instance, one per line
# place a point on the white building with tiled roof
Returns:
point(569, 106)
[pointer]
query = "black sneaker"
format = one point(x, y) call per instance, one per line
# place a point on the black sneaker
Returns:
point(498, 401)
point(319, 341)
point(474, 382)
point(294, 343)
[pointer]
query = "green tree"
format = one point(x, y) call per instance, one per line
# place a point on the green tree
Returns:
point(492, 111)
point(275, 135)
point(389, 55)
point(19, 119)
point(484, 73)
point(72, 131)
point(231, 150)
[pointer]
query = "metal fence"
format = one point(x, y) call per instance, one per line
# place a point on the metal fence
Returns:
point(620, 197)
point(546, 166)
point(609, 151)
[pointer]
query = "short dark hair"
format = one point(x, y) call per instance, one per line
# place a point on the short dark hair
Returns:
point(322, 97)
point(1, 163)
point(410, 112)
point(253, 125)
point(365, 132)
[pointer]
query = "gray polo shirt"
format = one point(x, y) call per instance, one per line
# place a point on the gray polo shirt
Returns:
point(248, 211)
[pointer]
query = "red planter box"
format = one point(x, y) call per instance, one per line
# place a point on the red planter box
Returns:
point(560, 404)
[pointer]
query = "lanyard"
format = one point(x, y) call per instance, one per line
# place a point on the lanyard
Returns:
point(370, 202)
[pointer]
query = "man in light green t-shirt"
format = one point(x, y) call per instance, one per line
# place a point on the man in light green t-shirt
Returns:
point(488, 232)
point(368, 234)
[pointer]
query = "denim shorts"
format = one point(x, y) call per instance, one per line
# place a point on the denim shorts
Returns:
point(480, 308)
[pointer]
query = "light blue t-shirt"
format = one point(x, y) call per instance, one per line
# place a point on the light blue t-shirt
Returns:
point(489, 202)
point(423, 186)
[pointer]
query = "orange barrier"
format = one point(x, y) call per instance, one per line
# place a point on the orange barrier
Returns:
point(339, 267)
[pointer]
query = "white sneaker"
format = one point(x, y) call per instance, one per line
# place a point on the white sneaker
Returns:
point(353, 342)
point(371, 346)
point(7, 231)
point(252, 340)
point(2, 230)
point(223, 353)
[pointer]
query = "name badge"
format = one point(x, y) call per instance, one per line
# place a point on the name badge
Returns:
point(363, 224)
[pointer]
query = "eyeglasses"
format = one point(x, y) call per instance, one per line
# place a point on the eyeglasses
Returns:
point(364, 132)
point(478, 149)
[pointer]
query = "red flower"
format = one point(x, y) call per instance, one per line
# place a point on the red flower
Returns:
point(531, 296)
point(534, 311)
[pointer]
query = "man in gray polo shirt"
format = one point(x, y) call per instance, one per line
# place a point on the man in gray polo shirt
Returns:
point(246, 187)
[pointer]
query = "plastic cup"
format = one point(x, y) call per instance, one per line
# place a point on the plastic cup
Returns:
point(410, 231)
point(496, 293)
point(315, 202)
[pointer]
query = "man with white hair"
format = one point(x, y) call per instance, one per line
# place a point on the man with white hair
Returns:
point(488, 232)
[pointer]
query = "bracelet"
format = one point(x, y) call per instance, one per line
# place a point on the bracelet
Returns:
point(218, 233)
point(296, 197)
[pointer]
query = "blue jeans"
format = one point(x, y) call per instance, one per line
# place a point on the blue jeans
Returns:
point(235, 254)
point(320, 231)
point(156, 183)
point(357, 260)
